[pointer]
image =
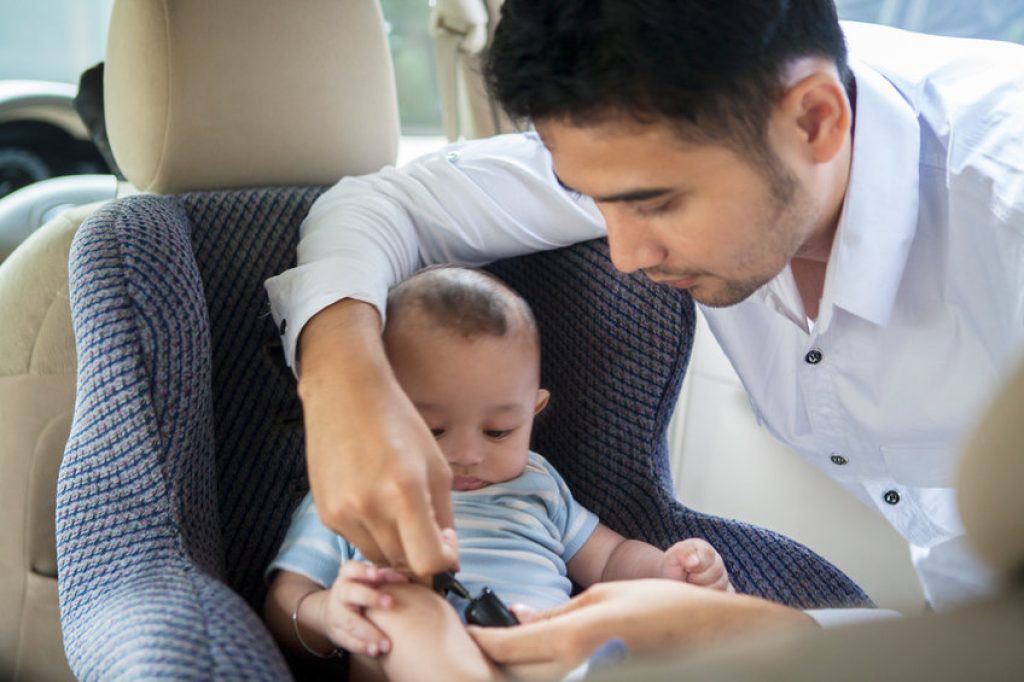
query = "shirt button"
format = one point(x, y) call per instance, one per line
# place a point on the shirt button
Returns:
point(891, 497)
point(452, 156)
point(838, 460)
point(282, 327)
point(813, 357)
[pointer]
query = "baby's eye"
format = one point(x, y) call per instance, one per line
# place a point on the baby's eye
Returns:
point(497, 434)
point(437, 433)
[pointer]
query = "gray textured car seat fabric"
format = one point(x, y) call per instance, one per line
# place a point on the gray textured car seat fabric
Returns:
point(183, 464)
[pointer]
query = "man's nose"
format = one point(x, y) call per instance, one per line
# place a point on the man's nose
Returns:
point(632, 243)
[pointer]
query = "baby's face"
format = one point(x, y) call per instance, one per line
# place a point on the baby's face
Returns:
point(478, 396)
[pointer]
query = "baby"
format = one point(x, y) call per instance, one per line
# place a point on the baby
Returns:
point(465, 349)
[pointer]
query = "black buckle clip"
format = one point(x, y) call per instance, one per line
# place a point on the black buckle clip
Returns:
point(485, 610)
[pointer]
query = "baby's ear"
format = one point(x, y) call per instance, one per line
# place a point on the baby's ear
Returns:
point(543, 395)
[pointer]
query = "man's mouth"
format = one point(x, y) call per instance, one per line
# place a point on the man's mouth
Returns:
point(679, 283)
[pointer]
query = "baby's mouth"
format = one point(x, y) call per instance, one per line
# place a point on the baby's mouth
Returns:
point(461, 483)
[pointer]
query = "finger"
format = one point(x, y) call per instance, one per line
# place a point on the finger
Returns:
point(692, 560)
point(425, 551)
point(705, 579)
point(367, 573)
point(362, 539)
point(562, 638)
point(673, 568)
point(585, 598)
point(524, 613)
point(450, 538)
point(353, 594)
point(355, 633)
point(356, 570)
point(714, 576)
point(439, 485)
point(388, 538)
point(529, 643)
point(390, 576)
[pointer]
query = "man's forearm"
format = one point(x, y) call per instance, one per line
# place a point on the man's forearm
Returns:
point(374, 468)
point(343, 337)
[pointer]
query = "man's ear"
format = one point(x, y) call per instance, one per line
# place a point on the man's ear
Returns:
point(815, 110)
point(543, 395)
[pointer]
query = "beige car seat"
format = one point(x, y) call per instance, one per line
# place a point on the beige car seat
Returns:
point(980, 641)
point(195, 99)
point(37, 395)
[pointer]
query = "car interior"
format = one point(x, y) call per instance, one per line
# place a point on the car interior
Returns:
point(149, 452)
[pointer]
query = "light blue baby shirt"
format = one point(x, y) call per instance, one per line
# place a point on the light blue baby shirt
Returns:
point(514, 537)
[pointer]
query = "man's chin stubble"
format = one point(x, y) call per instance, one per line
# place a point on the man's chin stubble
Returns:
point(729, 295)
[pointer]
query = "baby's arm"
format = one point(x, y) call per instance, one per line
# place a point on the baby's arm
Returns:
point(284, 594)
point(608, 556)
point(330, 618)
point(356, 613)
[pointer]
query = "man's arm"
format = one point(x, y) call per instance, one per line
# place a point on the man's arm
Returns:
point(470, 203)
point(375, 470)
point(648, 615)
point(396, 482)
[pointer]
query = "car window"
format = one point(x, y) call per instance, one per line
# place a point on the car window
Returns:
point(51, 40)
point(412, 52)
point(993, 19)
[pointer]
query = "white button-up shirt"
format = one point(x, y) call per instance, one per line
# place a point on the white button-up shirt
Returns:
point(922, 312)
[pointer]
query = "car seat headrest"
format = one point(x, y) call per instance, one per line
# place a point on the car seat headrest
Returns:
point(246, 93)
point(990, 479)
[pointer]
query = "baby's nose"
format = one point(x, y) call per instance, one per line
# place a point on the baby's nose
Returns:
point(463, 452)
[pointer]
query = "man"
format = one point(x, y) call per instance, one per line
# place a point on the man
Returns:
point(854, 230)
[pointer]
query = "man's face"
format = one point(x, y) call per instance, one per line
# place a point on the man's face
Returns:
point(697, 217)
point(478, 395)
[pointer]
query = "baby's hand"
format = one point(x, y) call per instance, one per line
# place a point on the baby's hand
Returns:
point(696, 562)
point(354, 590)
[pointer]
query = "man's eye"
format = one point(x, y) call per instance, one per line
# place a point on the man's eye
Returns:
point(437, 433)
point(497, 434)
point(650, 211)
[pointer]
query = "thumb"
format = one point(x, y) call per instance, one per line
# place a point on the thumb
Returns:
point(525, 613)
point(578, 602)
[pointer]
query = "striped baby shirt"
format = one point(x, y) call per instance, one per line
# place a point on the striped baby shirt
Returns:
point(514, 537)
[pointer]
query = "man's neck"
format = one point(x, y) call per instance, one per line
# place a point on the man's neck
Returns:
point(809, 276)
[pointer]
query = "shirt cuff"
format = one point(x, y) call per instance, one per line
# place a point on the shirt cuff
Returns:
point(300, 293)
point(831, 618)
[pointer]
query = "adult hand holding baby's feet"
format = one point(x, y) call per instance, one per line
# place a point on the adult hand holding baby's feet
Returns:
point(696, 562)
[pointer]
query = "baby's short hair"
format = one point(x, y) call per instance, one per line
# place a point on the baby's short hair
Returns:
point(467, 301)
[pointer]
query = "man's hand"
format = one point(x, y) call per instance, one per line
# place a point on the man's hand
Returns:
point(696, 562)
point(377, 475)
point(649, 615)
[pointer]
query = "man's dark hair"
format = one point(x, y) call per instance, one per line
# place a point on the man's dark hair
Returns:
point(713, 68)
point(466, 301)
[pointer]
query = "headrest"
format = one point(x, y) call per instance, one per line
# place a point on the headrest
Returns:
point(990, 480)
point(247, 93)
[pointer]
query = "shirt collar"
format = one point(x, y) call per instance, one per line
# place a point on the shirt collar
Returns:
point(879, 216)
